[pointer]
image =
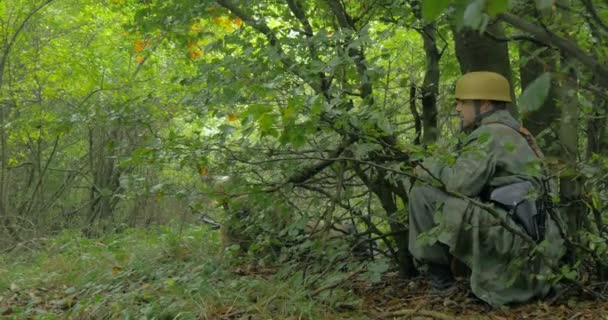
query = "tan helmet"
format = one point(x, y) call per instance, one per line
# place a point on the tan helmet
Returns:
point(483, 85)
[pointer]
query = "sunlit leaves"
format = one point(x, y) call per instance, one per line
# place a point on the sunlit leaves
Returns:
point(535, 93)
point(196, 26)
point(227, 23)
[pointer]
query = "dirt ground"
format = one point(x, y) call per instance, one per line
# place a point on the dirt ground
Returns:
point(394, 298)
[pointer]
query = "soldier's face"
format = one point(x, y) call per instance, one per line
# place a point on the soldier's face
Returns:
point(466, 113)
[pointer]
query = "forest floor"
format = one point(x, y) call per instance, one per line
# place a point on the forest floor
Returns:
point(175, 273)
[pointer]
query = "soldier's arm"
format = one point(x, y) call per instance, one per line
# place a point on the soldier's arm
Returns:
point(471, 170)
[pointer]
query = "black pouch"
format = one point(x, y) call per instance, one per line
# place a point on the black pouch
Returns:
point(515, 198)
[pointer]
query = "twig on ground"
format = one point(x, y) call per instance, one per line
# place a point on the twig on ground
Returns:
point(233, 314)
point(23, 244)
point(576, 316)
point(415, 312)
point(333, 285)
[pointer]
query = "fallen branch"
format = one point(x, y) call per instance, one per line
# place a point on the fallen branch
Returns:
point(334, 285)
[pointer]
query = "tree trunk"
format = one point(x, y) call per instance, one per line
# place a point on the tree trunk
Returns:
point(597, 137)
point(534, 64)
point(570, 183)
point(106, 179)
point(5, 218)
point(480, 52)
point(399, 229)
point(430, 87)
point(386, 193)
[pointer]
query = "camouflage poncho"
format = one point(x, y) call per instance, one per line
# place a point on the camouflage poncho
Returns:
point(502, 269)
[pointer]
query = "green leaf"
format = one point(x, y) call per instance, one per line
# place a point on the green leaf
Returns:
point(544, 4)
point(433, 8)
point(535, 93)
point(495, 7)
point(316, 105)
point(266, 124)
point(362, 150)
point(258, 110)
point(294, 135)
point(473, 14)
point(375, 270)
point(105, 192)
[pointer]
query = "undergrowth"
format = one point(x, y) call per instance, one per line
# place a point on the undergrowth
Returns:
point(157, 273)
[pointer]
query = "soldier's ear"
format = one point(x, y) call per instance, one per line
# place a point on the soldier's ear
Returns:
point(486, 105)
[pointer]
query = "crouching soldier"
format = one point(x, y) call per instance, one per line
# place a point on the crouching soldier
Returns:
point(498, 164)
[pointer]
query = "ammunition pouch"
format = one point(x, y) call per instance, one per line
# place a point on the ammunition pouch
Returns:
point(515, 199)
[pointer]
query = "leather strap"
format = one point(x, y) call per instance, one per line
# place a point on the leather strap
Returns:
point(527, 135)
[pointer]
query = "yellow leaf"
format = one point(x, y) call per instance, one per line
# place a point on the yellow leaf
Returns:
point(225, 22)
point(195, 54)
point(139, 59)
point(238, 21)
point(116, 270)
point(203, 171)
point(232, 117)
point(139, 45)
point(196, 27)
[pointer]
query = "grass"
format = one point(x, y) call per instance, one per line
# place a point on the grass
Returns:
point(157, 273)
point(165, 273)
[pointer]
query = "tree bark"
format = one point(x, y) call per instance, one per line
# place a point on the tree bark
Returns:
point(399, 229)
point(414, 111)
point(480, 52)
point(570, 181)
point(106, 179)
point(597, 137)
point(430, 87)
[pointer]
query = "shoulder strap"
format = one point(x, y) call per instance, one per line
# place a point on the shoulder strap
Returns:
point(527, 135)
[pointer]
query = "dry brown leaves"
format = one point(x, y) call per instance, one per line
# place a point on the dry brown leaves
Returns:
point(409, 299)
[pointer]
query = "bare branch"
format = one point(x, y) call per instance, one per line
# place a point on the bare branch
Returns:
point(310, 172)
point(565, 45)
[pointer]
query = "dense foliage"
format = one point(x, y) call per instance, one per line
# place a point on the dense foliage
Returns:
point(268, 117)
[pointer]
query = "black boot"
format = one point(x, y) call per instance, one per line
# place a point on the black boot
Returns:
point(441, 278)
